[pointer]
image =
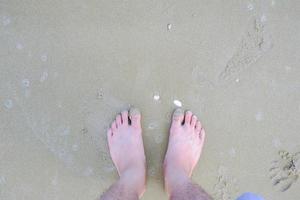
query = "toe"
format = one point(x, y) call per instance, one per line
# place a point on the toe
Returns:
point(202, 135)
point(178, 116)
point(114, 126)
point(124, 115)
point(109, 135)
point(119, 120)
point(188, 117)
point(198, 127)
point(135, 117)
point(194, 121)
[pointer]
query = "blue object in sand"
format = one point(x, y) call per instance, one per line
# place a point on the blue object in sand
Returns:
point(249, 196)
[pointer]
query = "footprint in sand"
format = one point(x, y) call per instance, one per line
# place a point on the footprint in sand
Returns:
point(253, 46)
point(226, 186)
point(285, 171)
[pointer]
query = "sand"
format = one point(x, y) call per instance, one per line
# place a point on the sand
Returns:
point(67, 67)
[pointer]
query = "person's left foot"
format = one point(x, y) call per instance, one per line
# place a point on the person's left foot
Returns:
point(127, 150)
point(186, 140)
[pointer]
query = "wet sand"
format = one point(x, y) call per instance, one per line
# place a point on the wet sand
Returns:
point(67, 67)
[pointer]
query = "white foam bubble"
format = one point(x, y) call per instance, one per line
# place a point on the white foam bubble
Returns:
point(259, 116)
point(158, 139)
point(263, 18)
point(19, 46)
point(273, 3)
point(44, 57)
point(169, 26)
point(152, 125)
point(222, 170)
point(59, 104)
point(65, 131)
point(108, 169)
point(88, 171)
point(250, 6)
point(6, 20)
point(8, 103)
point(288, 68)
point(156, 97)
point(2, 180)
point(152, 171)
point(44, 76)
point(276, 142)
point(75, 147)
point(232, 152)
point(26, 83)
point(177, 103)
point(54, 181)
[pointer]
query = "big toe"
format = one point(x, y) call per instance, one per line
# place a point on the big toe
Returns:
point(178, 116)
point(188, 118)
point(124, 116)
point(135, 117)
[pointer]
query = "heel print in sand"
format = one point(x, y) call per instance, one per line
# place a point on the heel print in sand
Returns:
point(285, 171)
point(252, 47)
point(226, 187)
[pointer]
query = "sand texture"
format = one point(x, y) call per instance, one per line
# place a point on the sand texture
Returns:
point(67, 67)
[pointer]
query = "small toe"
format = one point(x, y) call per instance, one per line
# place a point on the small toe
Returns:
point(109, 134)
point(198, 126)
point(202, 134)
point(114, 126)
point(135, 117)
point(124, 115)
point(194, 121)
point(188, 117)
point(178, 116)
point(119, 120)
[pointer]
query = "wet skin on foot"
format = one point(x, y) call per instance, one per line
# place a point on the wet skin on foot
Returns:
point(186, 140)
point(124, 136)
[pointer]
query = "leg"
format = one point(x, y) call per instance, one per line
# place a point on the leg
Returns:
point(185, 144)
point(127, 152)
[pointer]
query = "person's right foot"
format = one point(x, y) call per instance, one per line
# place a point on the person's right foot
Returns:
point(127, 150)
point(185, 144)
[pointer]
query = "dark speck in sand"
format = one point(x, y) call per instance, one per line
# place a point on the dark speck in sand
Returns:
point(84, 131)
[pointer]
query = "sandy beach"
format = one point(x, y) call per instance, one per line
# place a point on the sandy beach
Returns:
point(68, 67)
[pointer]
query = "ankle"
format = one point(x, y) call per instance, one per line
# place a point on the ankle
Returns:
point(175, 178)
point(134, 180)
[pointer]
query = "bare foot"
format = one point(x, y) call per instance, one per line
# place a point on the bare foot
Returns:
point(127, 149)
point(185, 144)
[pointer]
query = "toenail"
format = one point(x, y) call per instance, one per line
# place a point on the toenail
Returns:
point(178, 112)
point(134, 111)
